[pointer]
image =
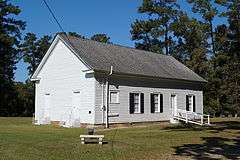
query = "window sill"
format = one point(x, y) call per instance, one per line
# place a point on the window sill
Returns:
point(157, 112)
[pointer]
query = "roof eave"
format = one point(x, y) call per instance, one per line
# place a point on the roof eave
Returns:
point(147, 76)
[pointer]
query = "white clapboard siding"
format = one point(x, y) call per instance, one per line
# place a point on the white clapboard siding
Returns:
point(123, 107)
point(60, 76)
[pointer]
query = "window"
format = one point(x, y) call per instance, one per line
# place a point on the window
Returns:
point(114, 97)
point(136, 103)
point(190, 103)
point(156, 103)
point(136, 98)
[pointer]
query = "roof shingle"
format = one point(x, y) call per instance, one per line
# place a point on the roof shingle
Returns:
point(101, 56)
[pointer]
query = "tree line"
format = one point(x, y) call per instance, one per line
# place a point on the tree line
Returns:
point(208, 47)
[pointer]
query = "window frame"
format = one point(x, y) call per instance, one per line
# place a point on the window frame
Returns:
point(114, 91)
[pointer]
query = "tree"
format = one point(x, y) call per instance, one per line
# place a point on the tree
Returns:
point(145, 32)
point(192, 49)
point(34, 49)
point(215, 97)
point(101, 38)
point(232, 69)
point(25, 98)
point(208, 12)
point(10, 35)
point(154, 33)
point(224, 89)
point(193, 44)
point(75, 34)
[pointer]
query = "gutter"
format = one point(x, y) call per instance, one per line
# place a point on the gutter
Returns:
point(88, 71)
point(35, 79)
point(150, 77)
point(107, 98)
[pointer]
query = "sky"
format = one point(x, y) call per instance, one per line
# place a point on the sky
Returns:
point(87, 17)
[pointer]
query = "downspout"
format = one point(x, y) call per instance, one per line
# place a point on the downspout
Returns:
point(35, 80)
point(103, 107)
point(107, 97)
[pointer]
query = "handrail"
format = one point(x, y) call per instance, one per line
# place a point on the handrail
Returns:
point(189, 116)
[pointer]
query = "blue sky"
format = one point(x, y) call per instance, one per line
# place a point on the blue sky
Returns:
point(87, 17)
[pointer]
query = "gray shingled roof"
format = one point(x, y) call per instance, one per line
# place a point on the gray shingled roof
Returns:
point(101, 56)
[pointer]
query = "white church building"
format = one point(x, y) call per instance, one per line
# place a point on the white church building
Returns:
point(81, 82)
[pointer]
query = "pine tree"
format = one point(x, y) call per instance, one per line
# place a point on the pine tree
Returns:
point(233, 64)
point(226, 62)
point(192, 45)
point(215, 97)
point(155, 33)
point(34, 49)
point(101, 38)
point(10, 35)
point(25, 98)
point(208, 12)
point(75, 34)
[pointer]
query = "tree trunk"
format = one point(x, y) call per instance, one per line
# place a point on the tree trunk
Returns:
point(212, 37)
point(166, 40)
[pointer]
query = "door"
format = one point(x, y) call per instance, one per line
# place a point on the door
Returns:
point(47, 108)
point(174, 104)
point(75, 113)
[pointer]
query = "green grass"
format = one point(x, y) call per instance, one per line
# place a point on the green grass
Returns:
point(20, 140)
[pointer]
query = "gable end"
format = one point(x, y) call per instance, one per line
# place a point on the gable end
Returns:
point(49, 52)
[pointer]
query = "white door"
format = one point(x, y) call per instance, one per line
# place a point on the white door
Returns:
point(76, 99)
point(75, 115)
point(47, 108)
point(174, 104)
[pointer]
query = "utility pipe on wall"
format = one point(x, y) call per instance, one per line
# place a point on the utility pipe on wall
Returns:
point(103, 102)
point(106, 101)
point(107, 97)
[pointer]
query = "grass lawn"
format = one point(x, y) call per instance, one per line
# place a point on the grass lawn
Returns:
point(20, 140)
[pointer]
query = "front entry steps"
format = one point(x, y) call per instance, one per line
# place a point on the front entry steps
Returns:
point(191, 117)
point(174, 121)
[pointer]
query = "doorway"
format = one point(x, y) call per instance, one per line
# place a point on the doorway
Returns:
point(46, 109)
point(74, 116)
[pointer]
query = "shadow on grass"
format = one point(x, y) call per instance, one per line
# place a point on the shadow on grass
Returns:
point(184, 127)
point(221, 126)
point(212, 148)
point(96, 142)
point(215, 127)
